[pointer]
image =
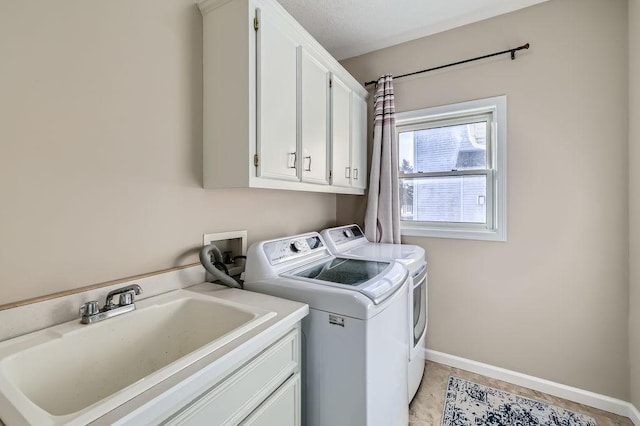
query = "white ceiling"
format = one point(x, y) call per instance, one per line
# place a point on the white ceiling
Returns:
point(348, 28)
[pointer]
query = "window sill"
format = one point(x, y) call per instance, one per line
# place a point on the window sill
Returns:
point(464, 234)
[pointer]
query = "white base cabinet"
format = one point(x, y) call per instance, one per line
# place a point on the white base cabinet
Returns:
point(279, 111)
point(264, 390)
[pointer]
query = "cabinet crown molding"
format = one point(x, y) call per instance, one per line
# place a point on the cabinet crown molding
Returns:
point(207, 6)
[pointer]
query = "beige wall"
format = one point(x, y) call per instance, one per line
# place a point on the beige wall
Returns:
point(101, 146)
point(551, 301)
point(634, 199)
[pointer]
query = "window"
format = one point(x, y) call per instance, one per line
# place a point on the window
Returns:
point(452, 170)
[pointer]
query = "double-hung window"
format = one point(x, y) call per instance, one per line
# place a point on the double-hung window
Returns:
point(452, 170)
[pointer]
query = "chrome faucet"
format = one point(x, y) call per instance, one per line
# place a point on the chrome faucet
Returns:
point(91, 311)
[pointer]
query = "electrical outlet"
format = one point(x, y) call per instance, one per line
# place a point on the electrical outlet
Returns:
point(233, 242)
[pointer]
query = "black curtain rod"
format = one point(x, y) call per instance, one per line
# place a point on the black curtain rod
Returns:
point(511, 51)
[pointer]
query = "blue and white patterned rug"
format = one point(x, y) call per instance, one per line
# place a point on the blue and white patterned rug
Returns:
point(472, 404)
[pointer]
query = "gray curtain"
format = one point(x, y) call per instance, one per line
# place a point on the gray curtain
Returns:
point(382, 217)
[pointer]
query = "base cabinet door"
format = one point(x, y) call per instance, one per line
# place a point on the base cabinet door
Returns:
point(280, 409)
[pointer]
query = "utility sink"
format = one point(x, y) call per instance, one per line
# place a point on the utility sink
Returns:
point(77, 371)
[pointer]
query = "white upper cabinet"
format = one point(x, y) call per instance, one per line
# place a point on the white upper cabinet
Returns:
point(341, 132)
point(314, 118)
point(359, 176)
point(349, 137)
point(279, 111)
point(277, 97)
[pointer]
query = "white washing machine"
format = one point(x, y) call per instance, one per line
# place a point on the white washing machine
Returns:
point(350, 241)
point(354, 340)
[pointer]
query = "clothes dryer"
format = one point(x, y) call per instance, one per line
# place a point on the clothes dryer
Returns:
point(350, 241)
point(354, 340)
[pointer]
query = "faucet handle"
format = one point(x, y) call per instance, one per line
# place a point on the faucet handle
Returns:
point(126, 298)
point(89, 308)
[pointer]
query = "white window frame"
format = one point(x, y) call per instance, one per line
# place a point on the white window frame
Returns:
point(496, 226)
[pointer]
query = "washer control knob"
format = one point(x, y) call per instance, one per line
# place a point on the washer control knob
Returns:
point(297, 246)
point(348, 233)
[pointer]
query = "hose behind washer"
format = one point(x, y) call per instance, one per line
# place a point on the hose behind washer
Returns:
point(205, 259)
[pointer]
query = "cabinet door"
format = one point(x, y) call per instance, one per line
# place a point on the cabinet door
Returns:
point(280, 409)
point(276, 61)
point(359, 175)
point(340, 133)
point(314, 118)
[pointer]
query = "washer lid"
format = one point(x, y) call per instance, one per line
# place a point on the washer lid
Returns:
point(375, 279)
point(350, 240)
point(382, 250)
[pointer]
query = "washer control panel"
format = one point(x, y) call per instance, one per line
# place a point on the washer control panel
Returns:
point(345, 234)
point(282, 250)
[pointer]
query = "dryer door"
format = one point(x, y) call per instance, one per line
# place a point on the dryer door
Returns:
point(419, 308)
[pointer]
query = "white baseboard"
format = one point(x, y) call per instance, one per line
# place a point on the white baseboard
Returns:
point(592, 399)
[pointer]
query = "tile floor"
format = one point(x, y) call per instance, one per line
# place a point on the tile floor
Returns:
point(426, 407)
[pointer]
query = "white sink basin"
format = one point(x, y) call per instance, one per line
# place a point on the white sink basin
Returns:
point(77, 371)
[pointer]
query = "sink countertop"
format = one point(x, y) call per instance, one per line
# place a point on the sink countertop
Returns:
point(223, 360)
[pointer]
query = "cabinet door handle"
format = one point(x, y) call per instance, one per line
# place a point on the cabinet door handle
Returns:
point(347, 172)
point(292, 160)
point(355, 174)
point(308, 168)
